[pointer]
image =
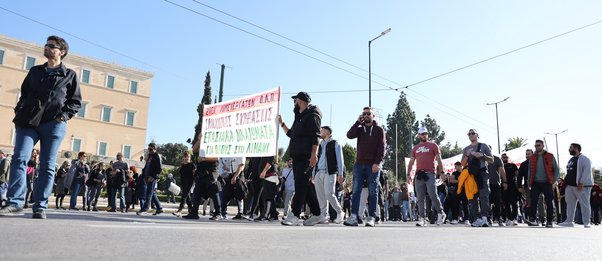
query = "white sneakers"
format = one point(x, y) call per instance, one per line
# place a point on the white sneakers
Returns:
point(441, 218)
point(339, 219)
point(311, 221)
point(454, 222)
point(566, 224)
point(421, 223)
point(291, 220)
point(370, 221)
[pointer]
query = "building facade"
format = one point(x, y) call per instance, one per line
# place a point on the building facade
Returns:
point(114, 113)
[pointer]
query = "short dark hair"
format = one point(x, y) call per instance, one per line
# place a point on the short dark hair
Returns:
point(327, 128)
point(540, 141)
point(80, 154)
point(576, 146)
point(61, 42)
point(457, 163)
point(529, 150)
point(152, 145)
point(504, 154)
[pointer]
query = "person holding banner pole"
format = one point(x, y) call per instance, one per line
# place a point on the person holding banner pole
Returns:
point(303, 148)
point(205, 186)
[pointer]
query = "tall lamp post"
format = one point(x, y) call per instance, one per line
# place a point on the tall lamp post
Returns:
point(370, 66)
point(498, 123)
point(556, 136)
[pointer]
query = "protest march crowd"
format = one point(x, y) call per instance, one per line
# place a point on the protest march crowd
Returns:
point(482, 191)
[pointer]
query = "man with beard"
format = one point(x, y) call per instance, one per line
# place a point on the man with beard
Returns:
point(510, 195)
point(425, 154)
point(543, 172)
point(303, 148)
point(50, 96)
point(370, 154)
point(476, 156)
point(579, 181)
point(151, 172)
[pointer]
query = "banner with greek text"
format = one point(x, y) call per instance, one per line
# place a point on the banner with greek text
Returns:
point(244, 127)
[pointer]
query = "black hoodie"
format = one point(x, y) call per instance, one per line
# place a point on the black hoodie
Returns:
point(305, 131)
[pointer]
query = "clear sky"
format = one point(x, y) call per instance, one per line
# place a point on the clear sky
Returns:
point(552, 86)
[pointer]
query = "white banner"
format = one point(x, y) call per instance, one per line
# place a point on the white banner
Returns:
point(244, 127)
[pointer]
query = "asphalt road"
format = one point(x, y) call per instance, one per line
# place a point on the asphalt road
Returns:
point(79, 235)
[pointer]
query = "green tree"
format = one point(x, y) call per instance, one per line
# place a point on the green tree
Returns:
point(172, 153)
point(514, 143)
point(286, 155)
point(403, 117)
point(435, 133)
point(447, 151)
point(349, 154)
point(205, 100)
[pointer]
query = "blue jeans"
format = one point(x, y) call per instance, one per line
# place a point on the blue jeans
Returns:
point(76, 187)
point(406, 210)
point(50, 135)
point(363, 172)
point(151, 195)
point(113, 195)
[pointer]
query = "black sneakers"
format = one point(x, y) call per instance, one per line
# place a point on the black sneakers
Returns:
point(191, 216)
point(39, 214)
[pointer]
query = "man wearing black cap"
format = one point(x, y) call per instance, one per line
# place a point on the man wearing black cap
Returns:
point(303, 148)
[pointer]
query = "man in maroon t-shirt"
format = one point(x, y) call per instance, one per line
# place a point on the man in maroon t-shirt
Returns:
point(425, 153)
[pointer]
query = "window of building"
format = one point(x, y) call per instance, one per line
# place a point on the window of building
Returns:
point(102, 148)
point(82, 111)
point(129, 118)
point(1, 56)
point(110, 81)
point(76, 145)
point(85, 76)
point(30, 62)
point(105, 114)
point(126, 150)
point(133, 87)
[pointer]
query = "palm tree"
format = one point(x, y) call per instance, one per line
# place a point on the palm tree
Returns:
point(514, 143)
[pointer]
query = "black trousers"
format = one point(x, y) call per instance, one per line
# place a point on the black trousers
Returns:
point(305, 192)
point(185, 198)
point(201, 189)
point(546, 189)
point(495, 199)
point(228, 193)
point(254, 202)
point(453, 202)
point(268, 195)
point(510, 197)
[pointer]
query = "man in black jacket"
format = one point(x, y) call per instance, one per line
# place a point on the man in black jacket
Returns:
point(50, 96)
point(151, 172)
point(303, 148)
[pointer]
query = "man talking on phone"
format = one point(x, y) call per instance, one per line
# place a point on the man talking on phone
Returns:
point(370, 154)
point(303, 148)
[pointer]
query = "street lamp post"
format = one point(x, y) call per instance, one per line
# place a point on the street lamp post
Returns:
point(556, 136)
point(370, 66)
point(497, 122)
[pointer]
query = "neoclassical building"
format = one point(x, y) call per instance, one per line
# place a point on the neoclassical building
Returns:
point(114, 114)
